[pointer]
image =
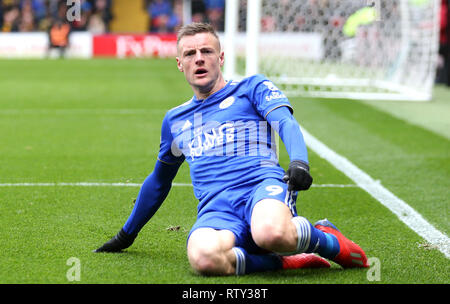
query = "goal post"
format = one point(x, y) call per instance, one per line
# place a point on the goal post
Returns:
point(357, 49)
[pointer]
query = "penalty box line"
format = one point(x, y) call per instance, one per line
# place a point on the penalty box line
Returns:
point(401, 209)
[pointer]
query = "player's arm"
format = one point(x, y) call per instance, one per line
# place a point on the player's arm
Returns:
point(274, 106)
point(297, 176)
point(152, 194)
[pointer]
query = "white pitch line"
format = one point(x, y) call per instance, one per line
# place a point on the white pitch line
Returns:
point(401, 209)
point(98, 184)
point(79, 184)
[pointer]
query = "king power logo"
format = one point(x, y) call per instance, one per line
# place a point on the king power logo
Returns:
point(230, 138)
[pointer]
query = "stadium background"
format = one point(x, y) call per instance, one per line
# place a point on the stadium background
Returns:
point(99, 24)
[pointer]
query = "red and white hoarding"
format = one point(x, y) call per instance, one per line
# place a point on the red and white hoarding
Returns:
point(87, 45)
point(123, 46)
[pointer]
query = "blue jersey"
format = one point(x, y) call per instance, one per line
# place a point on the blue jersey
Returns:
point(225, 138)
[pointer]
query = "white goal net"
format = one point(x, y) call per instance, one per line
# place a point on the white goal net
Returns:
point(362, 49)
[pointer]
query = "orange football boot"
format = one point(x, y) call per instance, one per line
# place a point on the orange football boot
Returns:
point(350, 254)
point(304, 260)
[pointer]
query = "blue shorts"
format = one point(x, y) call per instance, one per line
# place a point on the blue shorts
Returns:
point(232, 208)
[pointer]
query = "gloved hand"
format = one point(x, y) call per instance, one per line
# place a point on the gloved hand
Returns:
point(119, 242)
point(297, 176)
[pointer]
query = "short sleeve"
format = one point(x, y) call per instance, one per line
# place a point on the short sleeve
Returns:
point(266, 96)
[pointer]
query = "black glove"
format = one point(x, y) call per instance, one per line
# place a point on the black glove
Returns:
point(119, 242)
point(297, 176)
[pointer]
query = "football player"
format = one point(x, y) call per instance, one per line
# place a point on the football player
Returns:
point(247, 218)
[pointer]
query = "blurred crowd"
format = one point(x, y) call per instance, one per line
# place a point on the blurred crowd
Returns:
point(39, 15)
point(167, 15)
point(96, 15)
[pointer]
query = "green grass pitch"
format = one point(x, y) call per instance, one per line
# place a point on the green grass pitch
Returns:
point(98, 121)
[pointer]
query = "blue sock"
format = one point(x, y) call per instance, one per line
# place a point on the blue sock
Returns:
point(311, 239)
point(249, 263)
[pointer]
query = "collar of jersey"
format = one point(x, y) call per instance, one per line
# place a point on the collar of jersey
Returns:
point(216, 95)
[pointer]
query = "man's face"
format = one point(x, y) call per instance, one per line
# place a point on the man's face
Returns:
point(200, 59)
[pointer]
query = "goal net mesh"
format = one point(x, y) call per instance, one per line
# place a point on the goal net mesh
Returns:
point(349, 48)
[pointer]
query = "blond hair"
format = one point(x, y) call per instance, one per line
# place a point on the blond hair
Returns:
point(196, 28)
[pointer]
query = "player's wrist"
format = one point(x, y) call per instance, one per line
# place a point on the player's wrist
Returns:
point(297, 176)
point(299, 164)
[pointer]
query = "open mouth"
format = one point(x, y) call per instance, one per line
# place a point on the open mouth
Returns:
point(201, 72)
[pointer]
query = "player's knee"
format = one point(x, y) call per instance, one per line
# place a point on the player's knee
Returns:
point(271, 226)
point(204, 260)
point(206, 252)
point(270, 235)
